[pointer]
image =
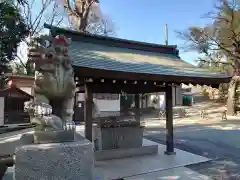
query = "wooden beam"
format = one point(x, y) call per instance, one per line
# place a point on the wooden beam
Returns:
point(118, 88)
point(169, 122)
point(135, 76)
point(88, 112)
point(75, 105)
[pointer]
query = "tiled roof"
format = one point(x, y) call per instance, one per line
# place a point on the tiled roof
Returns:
point(106, 57)
point(14, 90)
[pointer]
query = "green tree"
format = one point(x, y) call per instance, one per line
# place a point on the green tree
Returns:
point(13, 29)
point(219, 43)
point(19, 69)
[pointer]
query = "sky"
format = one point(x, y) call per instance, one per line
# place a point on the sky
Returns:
point(145, 21)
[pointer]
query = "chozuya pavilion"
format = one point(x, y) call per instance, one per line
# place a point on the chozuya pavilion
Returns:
point(112, 65)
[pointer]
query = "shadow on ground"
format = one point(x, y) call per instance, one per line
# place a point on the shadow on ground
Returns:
point(219, 141)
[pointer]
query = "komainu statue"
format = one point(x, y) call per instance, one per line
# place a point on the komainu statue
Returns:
point(54, 83)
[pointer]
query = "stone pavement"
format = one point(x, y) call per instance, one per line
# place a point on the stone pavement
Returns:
point(218, 140)
point(213, 138)
point(152, 165)
point(180, 173)
point(9, 141)
point(156, 129)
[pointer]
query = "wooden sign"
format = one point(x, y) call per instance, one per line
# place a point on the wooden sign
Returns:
point(101, 96)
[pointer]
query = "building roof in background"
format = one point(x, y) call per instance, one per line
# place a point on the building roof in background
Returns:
point(14, 91)
point(19, 76)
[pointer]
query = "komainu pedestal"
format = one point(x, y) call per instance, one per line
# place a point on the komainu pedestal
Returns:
point(55, 161)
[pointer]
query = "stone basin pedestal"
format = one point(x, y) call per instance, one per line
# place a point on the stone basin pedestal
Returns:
point(120, 142)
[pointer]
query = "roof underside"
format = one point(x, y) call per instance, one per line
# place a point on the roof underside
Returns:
point(98, 56)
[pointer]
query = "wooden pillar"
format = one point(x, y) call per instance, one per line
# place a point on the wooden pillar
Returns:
point(88, 106)
point(137, 107)
point(74, 106)
point(169, 121)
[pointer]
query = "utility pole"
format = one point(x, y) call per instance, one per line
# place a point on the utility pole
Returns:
point(166, 34)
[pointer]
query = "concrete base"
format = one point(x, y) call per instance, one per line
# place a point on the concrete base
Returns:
point(140, 165)
point(123, 153)
point(65, 161)
point(169, 153)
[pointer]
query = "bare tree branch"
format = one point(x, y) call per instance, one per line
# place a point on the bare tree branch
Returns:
point(35, 18)
point(68, 7)
point(84, 17)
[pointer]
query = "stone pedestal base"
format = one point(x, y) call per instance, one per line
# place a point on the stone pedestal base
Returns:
point(170, 153)
point(124, 153)
point(55, 161)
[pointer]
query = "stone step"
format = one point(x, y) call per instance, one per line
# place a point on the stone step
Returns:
point(123, 153)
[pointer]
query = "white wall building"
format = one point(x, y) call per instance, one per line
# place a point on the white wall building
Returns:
point(113, 104)
point(177, 98)
point(105, 104)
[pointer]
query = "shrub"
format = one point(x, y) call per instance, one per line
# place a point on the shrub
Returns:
point(205, 93)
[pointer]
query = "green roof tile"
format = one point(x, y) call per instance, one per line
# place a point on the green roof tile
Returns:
point(112, 58)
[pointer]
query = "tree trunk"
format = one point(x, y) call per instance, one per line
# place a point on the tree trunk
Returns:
point(83, 25)
point(231, 101)
point(233, 85)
